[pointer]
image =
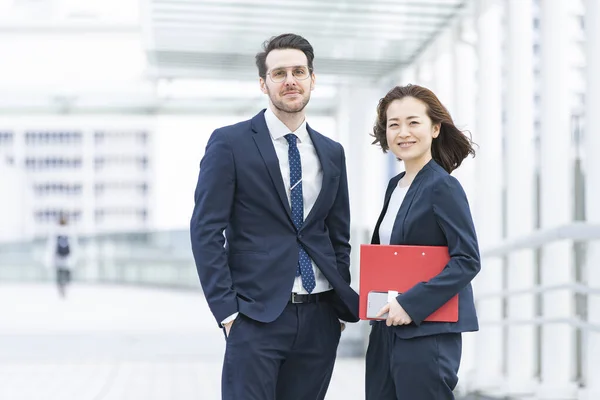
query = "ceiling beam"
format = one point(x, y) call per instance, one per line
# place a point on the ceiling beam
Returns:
point(35, 28)
point(253, 12)
point(137, 105)
point(384, 7)
point(214, 24)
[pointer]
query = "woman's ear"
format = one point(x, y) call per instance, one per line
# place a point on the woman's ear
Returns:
point(436, 130)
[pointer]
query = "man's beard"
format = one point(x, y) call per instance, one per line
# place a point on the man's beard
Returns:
point(281, 106)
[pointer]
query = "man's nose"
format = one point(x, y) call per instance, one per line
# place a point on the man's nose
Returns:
point(289, 78)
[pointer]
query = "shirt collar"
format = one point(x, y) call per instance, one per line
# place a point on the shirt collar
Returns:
point(277, 129)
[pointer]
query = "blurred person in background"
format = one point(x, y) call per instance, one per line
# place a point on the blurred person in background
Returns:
point(60, 253)
point(408, 358)
point(279, 279)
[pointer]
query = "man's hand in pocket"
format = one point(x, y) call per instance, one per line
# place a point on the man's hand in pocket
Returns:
point(227, 327)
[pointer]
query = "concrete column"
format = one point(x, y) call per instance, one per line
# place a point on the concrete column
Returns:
point(354, 121)
point(11, 207)
point(408, 75)
point(465, 92)
point(444, 84)
point(488, 214)
point(425, 74)
point(520, 184)
point(367, 169)
point(592, 186)
point(88, 179)
point(556, 168)
point(463, 113)
point(25, 193)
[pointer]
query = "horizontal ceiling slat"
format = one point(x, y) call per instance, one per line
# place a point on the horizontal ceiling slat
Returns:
point(246, 62)
point(260, 35)
point(361, 39)
point(250, 41)
point(319, 64)
point(300, 13)
point(388, 7)
point(220, 24)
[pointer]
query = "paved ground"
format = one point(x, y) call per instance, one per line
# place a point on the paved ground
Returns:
point(117, 343)
point(120, 343)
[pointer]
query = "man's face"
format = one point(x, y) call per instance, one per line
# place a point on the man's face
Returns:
point(292, 94)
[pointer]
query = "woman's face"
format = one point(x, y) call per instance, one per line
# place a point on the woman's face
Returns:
point(409, 130)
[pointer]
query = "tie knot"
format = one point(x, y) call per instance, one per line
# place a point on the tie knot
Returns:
point(291, 138)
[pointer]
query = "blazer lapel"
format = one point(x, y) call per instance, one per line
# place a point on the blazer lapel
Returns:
point(263, 141)
point(386, 202)
point(398, 229)
point(326, 166)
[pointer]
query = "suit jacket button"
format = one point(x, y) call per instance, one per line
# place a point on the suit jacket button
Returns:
point(300, 236)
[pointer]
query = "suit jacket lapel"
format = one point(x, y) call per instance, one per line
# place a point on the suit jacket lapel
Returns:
point(263, 141)
point(326, 166)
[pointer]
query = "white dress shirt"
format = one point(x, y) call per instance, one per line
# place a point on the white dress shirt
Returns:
point(387, 224)
point(312, 179)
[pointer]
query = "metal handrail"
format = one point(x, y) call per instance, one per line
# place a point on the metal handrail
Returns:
point(575, 322)
point(575, 287)
point(577, 231)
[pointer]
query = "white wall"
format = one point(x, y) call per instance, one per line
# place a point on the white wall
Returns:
point(15, 221)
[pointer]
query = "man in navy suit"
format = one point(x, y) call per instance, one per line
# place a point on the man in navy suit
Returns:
point(270, 233)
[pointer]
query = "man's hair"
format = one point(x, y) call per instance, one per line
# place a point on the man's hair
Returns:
point(284, 41)
point(451, 146)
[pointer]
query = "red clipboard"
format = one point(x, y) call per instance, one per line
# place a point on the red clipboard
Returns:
point(399, 268)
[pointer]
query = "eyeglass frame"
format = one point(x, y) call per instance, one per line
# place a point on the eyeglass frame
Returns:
point(310, 71)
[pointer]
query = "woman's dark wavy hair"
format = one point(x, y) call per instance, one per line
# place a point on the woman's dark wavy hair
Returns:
point(451, 146)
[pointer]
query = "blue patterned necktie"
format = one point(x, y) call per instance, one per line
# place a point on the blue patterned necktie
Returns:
point(304, 264)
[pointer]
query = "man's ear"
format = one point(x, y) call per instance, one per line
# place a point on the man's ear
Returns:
point(263, 85)
point(312, 82)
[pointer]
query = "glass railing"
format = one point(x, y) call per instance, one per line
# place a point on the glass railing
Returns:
point(153, 258)
point(160, 258)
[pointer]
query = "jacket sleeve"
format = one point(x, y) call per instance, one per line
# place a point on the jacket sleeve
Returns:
point(213, 201)
point(452, 213)
point(338, 223)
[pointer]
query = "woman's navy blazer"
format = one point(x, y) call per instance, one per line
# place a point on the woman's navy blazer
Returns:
point(435, 212)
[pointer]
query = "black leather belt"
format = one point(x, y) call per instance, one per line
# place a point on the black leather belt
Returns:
point(296, 298)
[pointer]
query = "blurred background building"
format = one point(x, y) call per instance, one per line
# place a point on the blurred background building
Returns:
point(106, 107)
point(100, 179)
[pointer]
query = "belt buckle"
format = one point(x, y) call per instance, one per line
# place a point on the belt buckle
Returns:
point(294, 301)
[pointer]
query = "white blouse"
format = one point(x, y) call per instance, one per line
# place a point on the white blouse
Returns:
point(387, 224)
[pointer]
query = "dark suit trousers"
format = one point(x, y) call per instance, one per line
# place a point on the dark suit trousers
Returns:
point(291, 358)
point(422, 368)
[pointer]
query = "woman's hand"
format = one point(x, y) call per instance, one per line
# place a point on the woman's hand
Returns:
point(396, 314)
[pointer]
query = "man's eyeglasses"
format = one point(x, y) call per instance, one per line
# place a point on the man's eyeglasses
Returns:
point(278, 75)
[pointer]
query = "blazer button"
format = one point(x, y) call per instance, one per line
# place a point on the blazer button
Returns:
point(300, 236)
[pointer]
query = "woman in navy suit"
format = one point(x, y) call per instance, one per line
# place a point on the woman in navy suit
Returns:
point(409, 358)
